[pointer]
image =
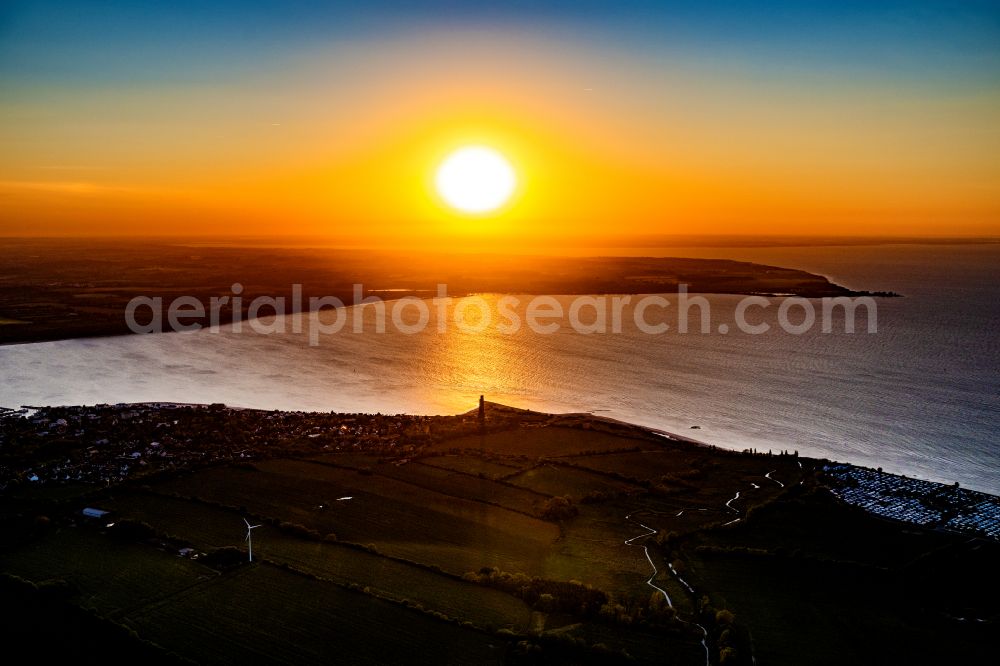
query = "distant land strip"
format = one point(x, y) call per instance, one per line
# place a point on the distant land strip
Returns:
point(61, 289)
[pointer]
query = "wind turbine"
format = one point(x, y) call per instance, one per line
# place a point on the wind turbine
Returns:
point(249, 540)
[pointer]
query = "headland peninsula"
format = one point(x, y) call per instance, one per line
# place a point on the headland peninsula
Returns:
point(57, 289)
point(495, 536)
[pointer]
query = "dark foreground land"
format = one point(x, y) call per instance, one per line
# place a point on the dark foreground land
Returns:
point(530, 539)
point(64, 288)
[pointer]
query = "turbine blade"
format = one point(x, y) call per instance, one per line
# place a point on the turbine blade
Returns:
point(247, 522)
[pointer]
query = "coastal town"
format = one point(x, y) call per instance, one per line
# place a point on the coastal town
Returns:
point(106, 444)
point(916, 501)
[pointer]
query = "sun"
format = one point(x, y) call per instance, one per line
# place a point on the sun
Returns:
point(475, 179)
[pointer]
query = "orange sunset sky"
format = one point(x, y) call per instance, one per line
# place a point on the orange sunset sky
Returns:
point(648, 123)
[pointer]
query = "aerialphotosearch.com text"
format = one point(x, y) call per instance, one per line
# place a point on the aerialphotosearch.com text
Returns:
point(652, 314)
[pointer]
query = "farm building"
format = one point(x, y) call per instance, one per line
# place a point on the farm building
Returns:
point(91, 512)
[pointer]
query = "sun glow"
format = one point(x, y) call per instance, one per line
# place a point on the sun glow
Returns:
point(475, 179)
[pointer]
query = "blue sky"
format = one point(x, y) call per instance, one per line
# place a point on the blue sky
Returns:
point(114, 42)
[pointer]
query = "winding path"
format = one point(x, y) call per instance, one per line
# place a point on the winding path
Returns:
point(645, 549)
point(649, 581)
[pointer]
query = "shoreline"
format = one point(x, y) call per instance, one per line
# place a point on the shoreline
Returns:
point(626, 425)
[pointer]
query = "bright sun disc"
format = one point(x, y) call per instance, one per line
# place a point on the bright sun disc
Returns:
point(475, 179)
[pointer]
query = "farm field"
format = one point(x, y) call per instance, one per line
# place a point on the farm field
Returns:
point(693, 465)
point(449, 481)
point(458, 484)
point(261, 613)
point(547, 442)
point(474, 465)
point(792, 621)
point(555, 480)
point(593, 549)
point(110, 576)
point(399, 518)
point(208, 527)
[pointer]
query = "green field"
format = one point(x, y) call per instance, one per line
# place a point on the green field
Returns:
point(547, 442)
point(474, 465)
point(554, 480)
point(593, 550)
point(802, 612)
point(262, 614)
point(209, 527)
point(110, 576)
point(399, 518)
point(463, 485)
